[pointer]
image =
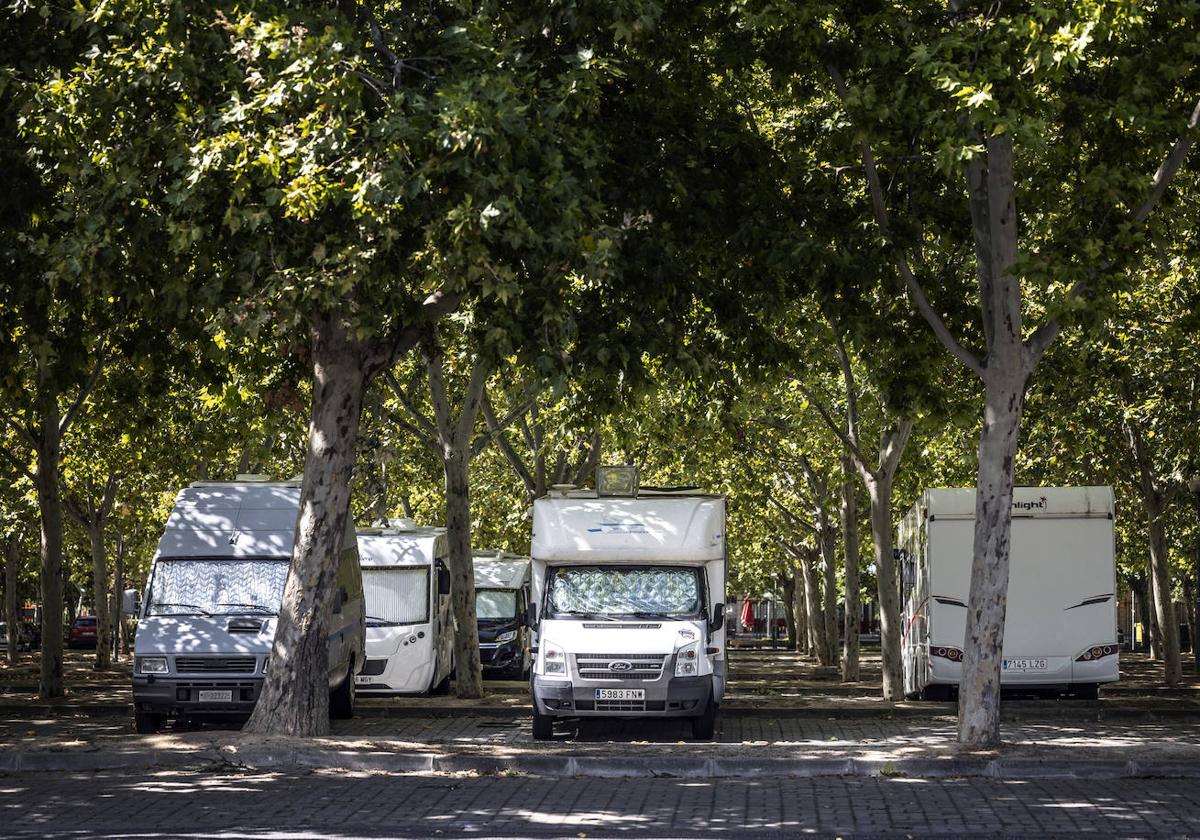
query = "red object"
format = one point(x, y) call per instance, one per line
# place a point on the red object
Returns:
point(747, 614)
point(83, 632)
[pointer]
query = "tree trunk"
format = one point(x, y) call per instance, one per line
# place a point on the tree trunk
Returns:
point(100, 594)
point(979, 690)
point(468, 671)
point(880, 491)
point(800, 609)
point(12, 562)
point(295, 693)
point(46, 483)
point(788, 584)
point(1164, 606)
point(828, 543)
point(853, 599)
point(118, 589)
point(812, 605)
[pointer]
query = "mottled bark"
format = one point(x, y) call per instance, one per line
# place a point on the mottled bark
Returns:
point(788, 584)
point(880, 491)
point(800, 610)
point(118, 590)
point(468, 669)
point(50, 512)
point(100, 596)
point(12, 563)
point(295, 694)
point(812, 603)
point(853, 600)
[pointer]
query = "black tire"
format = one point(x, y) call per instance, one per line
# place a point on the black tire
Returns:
point(704, 725)
point(145, 723)
point(937, 693)
point(543, 725)
point(1086, 691)
point(341, 701)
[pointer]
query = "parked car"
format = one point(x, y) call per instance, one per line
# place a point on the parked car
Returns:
point(24, 638)
point(83, 632)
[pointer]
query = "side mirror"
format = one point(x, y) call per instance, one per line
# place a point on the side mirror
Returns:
point(443, 580)
point(131, 602)
point(718, 619)
point(531, 616)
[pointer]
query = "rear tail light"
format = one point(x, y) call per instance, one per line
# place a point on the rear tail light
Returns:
point(1097, 652)
point(951, 653)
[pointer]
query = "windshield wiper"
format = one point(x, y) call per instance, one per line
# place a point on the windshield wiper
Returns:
point(382, 621)
point(200, 610)
point(654, 615)
point(267, 610)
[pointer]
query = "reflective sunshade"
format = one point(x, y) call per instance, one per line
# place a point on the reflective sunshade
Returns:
point(185, 587)
point(495, 603)
point(623, 591)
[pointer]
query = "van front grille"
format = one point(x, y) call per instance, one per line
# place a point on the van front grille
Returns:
point(599, 666)
point(216, 664)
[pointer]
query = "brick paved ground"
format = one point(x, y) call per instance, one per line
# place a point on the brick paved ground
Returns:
point(208, 804)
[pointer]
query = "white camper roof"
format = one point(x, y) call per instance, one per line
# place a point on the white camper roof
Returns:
point(394, 547)
point(501, 571)
point(652, 528)
point(232, 519)
point(1028, 502)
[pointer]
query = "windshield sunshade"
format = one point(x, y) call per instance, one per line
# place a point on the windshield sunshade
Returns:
point(189, 587)
point(397, 596)
point(495, 603)
point(624, 591)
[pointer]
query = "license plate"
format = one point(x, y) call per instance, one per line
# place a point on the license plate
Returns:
point(620, 694)
point(1024, 665)
point(363, 680)
point(210, 696)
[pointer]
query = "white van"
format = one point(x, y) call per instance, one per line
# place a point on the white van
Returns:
point(629, 603)
point(1060, 633)
point(501, 609)
point(410, 630)
point(207, 622)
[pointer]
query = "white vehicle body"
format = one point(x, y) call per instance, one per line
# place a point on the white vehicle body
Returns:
point(502, 591)
point(595, 561)
point(208, 616)
point(1061, 626)
point(410, 631)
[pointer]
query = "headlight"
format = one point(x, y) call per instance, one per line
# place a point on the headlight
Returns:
point(507, 636)
point(152, 665)
point(266, 664)
point(687, 660)
point(554, 661)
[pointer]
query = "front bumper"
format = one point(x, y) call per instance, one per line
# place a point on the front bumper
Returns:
point(667, 697)
point(179, 696)
point(499, 657)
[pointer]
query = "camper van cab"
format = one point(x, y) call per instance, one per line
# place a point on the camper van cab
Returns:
point(501, 606)
point(629, 603)
point(410, 630)
point(1060, 633)
point(207, 621)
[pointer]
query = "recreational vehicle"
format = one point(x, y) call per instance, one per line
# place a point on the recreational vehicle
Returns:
point(410, 630)
point(628, 603)
point(1060, 634)
point(207, 621)
point(501, 604)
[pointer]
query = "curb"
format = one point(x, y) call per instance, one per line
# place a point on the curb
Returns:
point(598, 767)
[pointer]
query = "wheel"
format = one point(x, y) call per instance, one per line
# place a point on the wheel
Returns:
point(1086, 691)
point(705, 724)
point(543, 725)
point(341, 701)
point(936, 693)
point(145, 723)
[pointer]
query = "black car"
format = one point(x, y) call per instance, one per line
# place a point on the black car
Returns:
point(501, 603)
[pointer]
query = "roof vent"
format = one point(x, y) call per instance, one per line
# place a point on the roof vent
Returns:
point(402, 523)
point(617, 481)
point(252, 477)
point(562, 490)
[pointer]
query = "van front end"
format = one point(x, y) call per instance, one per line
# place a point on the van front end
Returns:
point(400, 660)
point(673, 678)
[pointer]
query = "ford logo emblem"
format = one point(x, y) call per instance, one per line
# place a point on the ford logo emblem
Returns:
point(620, 665)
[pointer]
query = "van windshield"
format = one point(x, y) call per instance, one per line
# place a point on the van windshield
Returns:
point(215, 587)
point(631, 591)
point(495, 603)
point(396, 595)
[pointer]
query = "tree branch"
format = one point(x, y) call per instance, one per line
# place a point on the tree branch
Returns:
point(23, 469)
point(474, 394)
point(588, 464)
point(406, 336)
point(85, 391)
point(1170, 166)
point(426, 426)
point(850, 445)
point(496, 427)
point(506, 448)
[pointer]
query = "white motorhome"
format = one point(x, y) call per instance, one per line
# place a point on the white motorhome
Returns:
point(501, 607)
point(628, 603)
point(1060, 634)
point(207, 622)
point(410, 630)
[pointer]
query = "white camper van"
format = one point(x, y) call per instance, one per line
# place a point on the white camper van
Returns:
point(628, 603)
point(501, 607)
point(207, 621)
point(410, 631)
point(1060, 634)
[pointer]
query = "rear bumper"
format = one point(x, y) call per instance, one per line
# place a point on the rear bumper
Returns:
point(178, 697)
point(673, 697)
point(1061, 671)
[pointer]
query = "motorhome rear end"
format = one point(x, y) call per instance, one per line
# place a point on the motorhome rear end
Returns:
point(208, 618)
point(410, 630)
point(1061, 626)
point(629, 601)
point(501, 607)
